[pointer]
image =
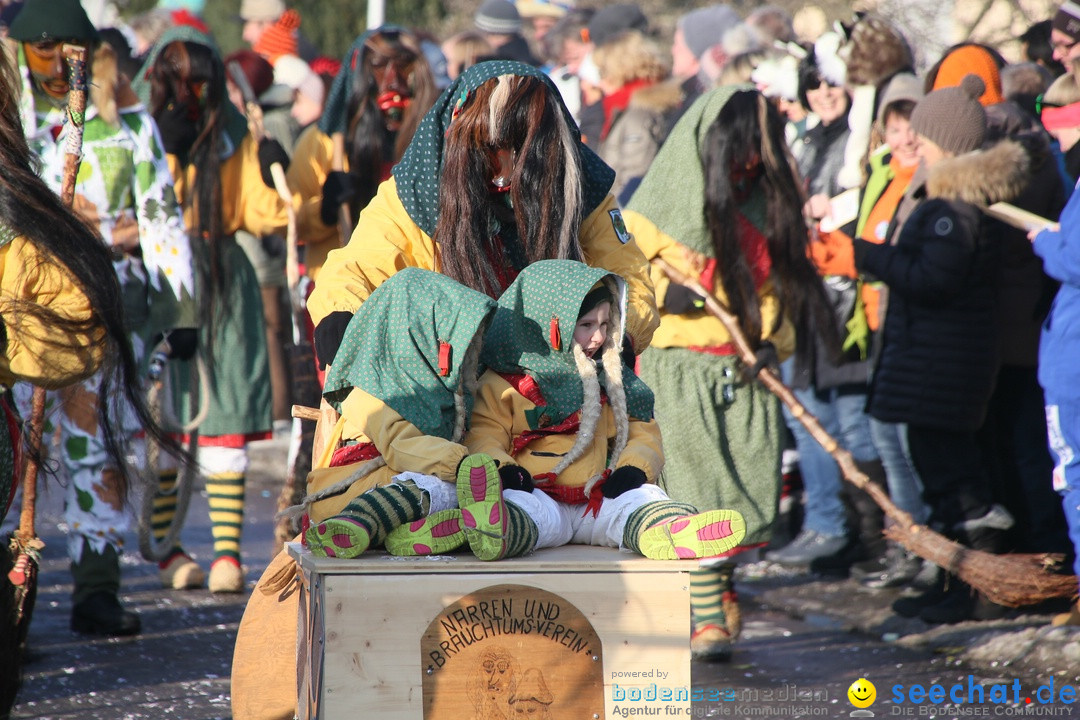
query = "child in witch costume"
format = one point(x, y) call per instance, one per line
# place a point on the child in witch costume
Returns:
point(403, 382)
point(567, 433)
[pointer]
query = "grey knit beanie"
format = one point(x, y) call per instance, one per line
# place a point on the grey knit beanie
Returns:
point(705, 27)
point(952, 117)
point(498, 16)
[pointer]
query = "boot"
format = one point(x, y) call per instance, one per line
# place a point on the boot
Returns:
point(712, 597)
point(897, 567)
point(962, 603)
point(867, 519)
point(910, 606)
point(96, 609)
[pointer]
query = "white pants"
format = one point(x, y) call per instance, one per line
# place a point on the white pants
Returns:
point(562, 524)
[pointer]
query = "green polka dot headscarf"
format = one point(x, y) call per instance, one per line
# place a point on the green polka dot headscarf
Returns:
point(420, 171)
point(406, 345)
point(533, 334)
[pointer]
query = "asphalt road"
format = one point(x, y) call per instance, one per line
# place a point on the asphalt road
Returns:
point(179, 666)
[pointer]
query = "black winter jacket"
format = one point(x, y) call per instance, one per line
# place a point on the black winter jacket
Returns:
point(940, 354)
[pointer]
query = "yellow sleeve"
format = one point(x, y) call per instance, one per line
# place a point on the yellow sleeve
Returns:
point(401, 443)
point(492, 425)
point(644, 449)
point(700, 329)
point(248, 202)
point(311, 162)
point(38, 352)
point(385, 240)
point(603, 248)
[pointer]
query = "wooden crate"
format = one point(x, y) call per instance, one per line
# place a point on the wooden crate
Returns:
point(571, 632)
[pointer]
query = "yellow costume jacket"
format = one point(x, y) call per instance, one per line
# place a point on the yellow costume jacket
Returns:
point(700, 329)
point(246, 201)
point(386, 240)
point(33, 351)
point(499, 421)
point(311, 163)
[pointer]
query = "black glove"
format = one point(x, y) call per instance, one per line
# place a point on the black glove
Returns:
point(328, 336)
point(339, 188)
point(679, 300)
point(183, 342)
point(515, 477)
point(765, 357)
point(270, 152)
point(622, 479)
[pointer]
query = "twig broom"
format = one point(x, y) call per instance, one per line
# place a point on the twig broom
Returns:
point(1013, 580)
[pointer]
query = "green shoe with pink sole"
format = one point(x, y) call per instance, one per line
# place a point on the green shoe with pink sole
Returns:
point(438, 533)
point(483, 512)
point(707, 534)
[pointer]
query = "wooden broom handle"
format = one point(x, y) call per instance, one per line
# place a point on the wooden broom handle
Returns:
point(775, 385)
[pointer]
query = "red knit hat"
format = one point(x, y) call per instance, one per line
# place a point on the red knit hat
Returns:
point(280, 38)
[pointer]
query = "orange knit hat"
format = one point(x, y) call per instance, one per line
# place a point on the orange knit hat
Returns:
point(280, 38)
point(970, 60)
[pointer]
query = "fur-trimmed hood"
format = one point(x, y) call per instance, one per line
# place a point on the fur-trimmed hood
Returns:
point(660, 97)
point(998, 173)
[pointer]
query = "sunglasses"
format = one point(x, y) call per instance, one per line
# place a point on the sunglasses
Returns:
point(1040, 103)
point(815, 83)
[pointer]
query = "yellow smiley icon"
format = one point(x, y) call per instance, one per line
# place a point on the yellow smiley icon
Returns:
point(862, 693)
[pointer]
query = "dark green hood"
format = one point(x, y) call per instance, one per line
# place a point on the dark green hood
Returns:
point(533, 334)
point(420, 170)
point(392, 345)
point(235, 123)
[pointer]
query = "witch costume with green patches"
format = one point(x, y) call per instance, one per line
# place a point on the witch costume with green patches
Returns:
point(124, 190)
point(572, 432)
point(403, 382)
point(496, 177)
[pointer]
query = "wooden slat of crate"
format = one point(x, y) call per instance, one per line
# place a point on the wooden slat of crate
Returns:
point(371, 613)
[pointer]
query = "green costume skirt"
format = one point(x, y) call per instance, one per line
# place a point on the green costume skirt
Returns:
point(722, 437)
point(239, 370)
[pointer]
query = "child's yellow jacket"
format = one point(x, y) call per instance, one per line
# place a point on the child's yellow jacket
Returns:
point(499, 421)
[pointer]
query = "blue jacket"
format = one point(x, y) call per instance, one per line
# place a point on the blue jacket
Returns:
point(1059, 345)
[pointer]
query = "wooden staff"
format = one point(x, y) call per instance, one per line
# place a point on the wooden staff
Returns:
point(337, 164)
point(277, 173)
point(28, 544)
point(1014, 580)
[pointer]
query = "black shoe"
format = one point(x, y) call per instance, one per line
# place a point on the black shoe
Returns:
point(899, 567)
point(912, 605)
point(956, 606)
point(102, 614)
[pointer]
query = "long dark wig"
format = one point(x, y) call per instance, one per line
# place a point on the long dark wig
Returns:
point(745, 153)
point(522, 115)
point(31, 210)
point(192, 74)
point(369, 145)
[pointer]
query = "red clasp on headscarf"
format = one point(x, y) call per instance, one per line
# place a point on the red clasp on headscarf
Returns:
point(444, 358)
